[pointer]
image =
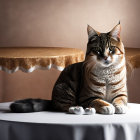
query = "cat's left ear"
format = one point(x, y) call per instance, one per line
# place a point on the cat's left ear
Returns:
point(91, 32)
point(115, 32)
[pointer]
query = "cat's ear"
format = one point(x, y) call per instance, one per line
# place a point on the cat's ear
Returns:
point(91, 32)
point(115, 32)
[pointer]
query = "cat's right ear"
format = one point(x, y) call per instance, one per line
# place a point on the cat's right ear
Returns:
point(115, 32)
point(91, 32)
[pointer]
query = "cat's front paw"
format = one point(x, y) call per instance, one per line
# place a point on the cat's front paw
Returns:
point(120, 109)
point(108, 110)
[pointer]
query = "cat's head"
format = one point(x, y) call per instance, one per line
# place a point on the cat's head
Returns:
point(105, 48)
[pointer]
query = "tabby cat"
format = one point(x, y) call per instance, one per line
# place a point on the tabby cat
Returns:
point(98, 82)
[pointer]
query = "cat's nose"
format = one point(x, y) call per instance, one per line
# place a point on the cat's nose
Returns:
point(105, 57)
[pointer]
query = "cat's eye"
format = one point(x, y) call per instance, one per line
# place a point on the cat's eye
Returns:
point(98, 52)
point(112, 49)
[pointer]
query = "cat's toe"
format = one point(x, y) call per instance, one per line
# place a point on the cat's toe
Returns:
point(90, 111)
point(108, 110)
point(79, 110)
point(71, 109)
point(120, 109)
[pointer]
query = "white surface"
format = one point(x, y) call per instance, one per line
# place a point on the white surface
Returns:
point(132, 116)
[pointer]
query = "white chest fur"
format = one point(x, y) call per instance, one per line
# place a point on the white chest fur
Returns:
point(108, 76)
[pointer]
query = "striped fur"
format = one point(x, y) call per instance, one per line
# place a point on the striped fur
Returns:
point(102, 81)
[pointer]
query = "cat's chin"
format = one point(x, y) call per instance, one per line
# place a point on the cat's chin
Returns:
point(106, 65)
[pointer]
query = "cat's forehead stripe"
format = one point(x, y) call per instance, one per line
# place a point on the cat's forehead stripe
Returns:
point(104, 40)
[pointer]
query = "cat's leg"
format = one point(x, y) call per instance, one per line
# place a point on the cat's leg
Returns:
point(117, 90)
point(102, 107)
point(118, 94)
point(63, 97)
point(95, 100)
point(120, 104)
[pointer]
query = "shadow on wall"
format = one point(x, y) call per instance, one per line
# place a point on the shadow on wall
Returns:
point(134, 86)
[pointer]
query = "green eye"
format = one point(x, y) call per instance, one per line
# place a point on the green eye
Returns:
point(112, 49)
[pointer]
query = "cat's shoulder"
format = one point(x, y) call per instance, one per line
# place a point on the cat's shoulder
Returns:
point(74, 67)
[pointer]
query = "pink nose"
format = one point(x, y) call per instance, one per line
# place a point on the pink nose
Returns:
point(105, 57)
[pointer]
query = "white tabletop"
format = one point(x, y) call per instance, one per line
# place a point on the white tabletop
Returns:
point(64, 126)
point(132, 116)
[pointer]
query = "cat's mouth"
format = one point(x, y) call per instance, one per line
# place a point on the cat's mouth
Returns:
point(106, 63)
